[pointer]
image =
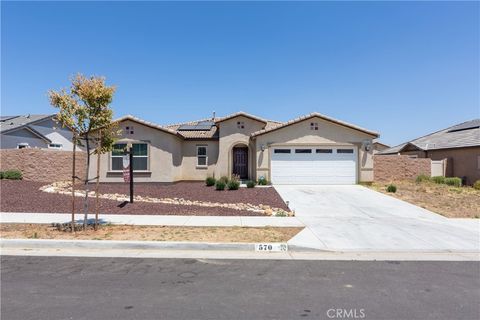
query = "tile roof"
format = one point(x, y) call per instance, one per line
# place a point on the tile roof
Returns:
point(465, 134)
point(311, 115)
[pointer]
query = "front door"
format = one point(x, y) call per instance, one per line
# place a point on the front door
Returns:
point(240, 162)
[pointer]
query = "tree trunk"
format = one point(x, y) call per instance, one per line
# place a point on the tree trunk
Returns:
point(85, 201)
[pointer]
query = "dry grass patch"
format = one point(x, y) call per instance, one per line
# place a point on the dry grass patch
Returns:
point(451, 202)
point(151, 233)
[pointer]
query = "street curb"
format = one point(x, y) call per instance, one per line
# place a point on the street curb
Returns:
point(122, 245)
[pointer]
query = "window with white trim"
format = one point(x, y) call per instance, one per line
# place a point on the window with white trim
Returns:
point(55, 146)
point(202, 158)
point(344, 150)
point(140, 156)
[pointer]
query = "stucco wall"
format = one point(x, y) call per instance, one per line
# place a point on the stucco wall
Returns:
point(230, 136)
point(12, 139)
point(460, 162)
point(328, 134)
point(399, 167)
point(164, 161)
point(42, 164)
point(190, 170)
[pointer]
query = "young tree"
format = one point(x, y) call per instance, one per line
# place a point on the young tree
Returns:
point(85, 109)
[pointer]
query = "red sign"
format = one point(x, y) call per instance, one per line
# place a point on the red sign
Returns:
point(126, 168)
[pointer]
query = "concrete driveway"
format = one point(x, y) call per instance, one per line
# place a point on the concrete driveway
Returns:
point(355, 218)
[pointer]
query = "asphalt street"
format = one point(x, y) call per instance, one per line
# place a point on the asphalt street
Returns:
point(137, 288)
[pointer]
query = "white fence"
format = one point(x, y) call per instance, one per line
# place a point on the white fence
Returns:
point(439, 167)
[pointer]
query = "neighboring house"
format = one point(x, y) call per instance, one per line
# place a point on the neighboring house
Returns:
point(459, 144)
point(378, 146)
point(33, 131)
point(313, 149)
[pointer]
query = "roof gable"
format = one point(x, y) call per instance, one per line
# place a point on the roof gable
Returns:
point(147, 123)
point(315, 115)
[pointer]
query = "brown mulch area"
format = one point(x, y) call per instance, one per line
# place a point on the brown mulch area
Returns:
point(25, 196)
point(451, 202)
point(152, 233)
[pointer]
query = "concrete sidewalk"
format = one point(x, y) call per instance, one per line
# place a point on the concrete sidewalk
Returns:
point(155, 220)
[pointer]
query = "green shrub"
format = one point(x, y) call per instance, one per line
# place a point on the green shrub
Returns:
point(439, 179)
point(476, 185)
point(281, 213)
point(1, 174)
point(12, 175)
point(454, 181)
point(392, 188)
point(262, 181)
point(251, 184)
point(422, 178)
point(233, 185)
point(210, 181)
point(220, 185)
point(224, 179)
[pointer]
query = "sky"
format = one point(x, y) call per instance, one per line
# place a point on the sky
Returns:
point(403, 69)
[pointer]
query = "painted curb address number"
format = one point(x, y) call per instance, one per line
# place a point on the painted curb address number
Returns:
point(271, 247)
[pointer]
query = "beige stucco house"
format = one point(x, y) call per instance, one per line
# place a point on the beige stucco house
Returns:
point(458, 145)
point(312, 149)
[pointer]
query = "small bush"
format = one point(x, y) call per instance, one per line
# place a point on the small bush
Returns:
point(392, 188)
point(12, 175)
point(454, 181)
point(220, 185)
point(476, 185)
point(233, 185)
point(251, 184)
point(224, 179)
point(262, 181)
point(439, 179)
point(210, 181)
point(281, 213)
point(422, 178)
point(1, 174)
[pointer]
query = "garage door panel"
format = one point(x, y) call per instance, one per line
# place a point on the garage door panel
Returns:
point(314, 168)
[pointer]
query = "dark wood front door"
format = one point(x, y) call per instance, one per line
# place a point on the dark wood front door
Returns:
point(240, 162)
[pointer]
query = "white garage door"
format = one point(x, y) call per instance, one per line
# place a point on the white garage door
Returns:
point(314, 165)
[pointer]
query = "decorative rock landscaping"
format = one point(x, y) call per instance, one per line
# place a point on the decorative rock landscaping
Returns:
point(65, 188)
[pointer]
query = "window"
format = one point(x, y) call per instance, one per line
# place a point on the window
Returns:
point(202, 156)
point(313, 125)
point(413, 156)
point(240, 125)
point(55, 146)
point(324, 151)
point(129, 130)
point(23, 145)
point(140, 156)
point(281, 151)
point(344, 150)
point(303, 150)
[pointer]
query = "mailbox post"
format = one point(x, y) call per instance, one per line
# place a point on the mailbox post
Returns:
point(129, 152)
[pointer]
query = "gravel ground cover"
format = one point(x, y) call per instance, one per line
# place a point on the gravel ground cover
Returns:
point(451, 202)
point(25, 196)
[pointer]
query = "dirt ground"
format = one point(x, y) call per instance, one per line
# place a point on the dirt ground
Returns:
point(451, 202)
point(25, 196)
point(151, 233)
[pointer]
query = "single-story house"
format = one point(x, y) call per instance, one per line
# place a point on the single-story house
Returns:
point(459, 144)
point(34, 131)
point(378, 146)
point(312, 149)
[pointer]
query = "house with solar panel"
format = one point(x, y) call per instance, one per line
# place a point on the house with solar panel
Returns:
point(311, 149)
point(34, 131)
point(458, 144)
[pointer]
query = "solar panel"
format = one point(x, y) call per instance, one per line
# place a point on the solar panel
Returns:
point(466, 126)
point(200, 126)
